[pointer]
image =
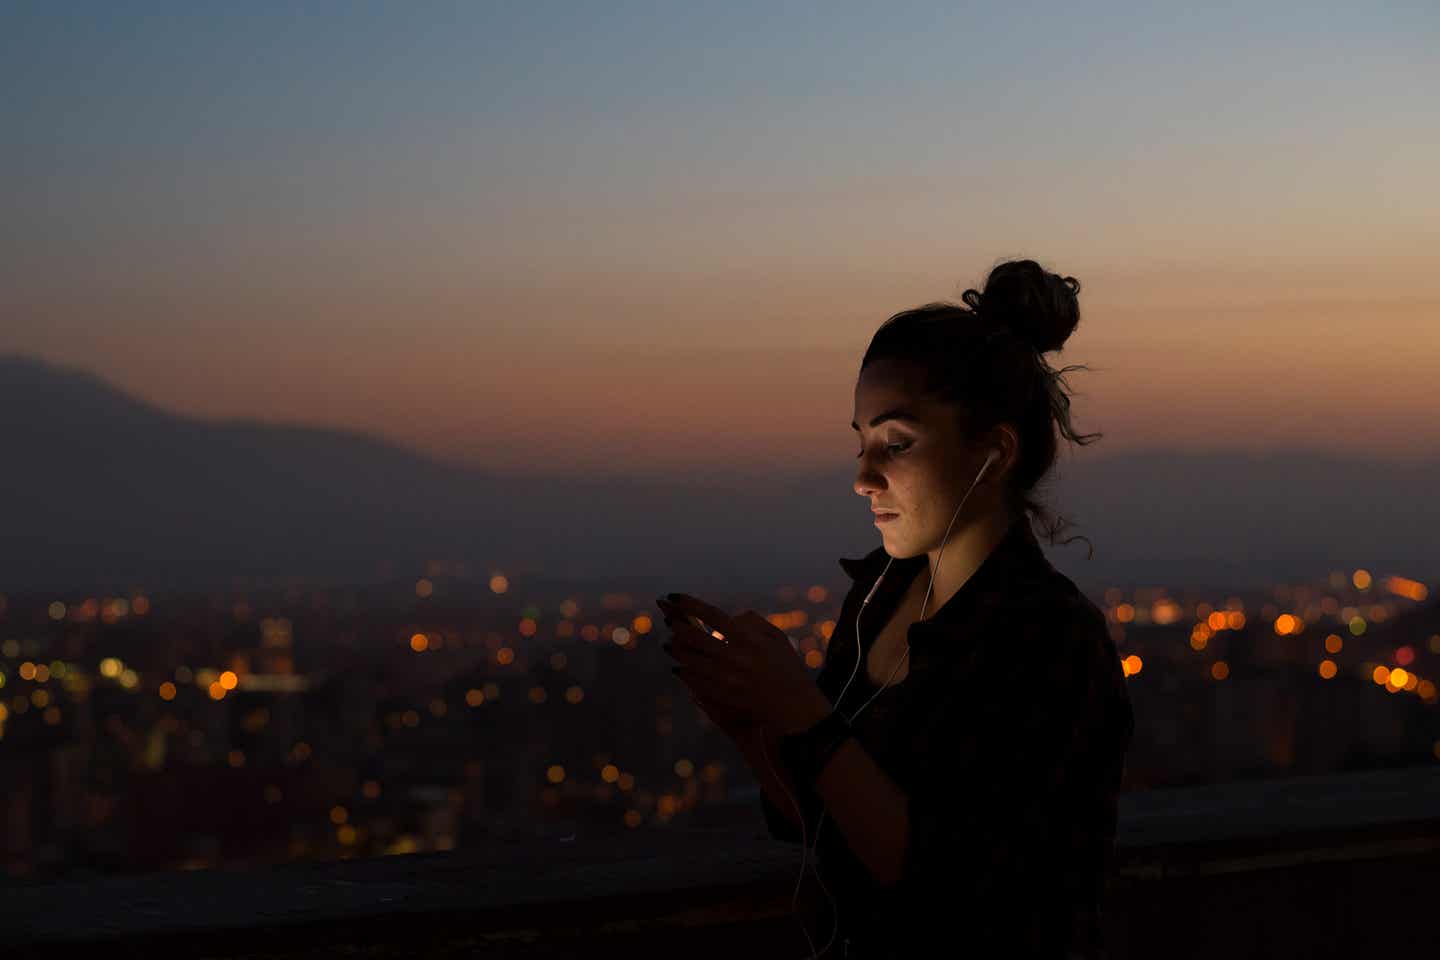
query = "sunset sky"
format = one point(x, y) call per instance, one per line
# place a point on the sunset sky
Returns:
point(648, 236)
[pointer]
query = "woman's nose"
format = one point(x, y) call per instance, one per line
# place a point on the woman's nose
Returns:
point(866, 480)
point(865, 483)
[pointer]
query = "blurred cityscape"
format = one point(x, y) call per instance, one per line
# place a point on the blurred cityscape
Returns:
point(264, 724)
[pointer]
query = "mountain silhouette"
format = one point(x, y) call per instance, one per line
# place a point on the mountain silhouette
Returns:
point(103, 491)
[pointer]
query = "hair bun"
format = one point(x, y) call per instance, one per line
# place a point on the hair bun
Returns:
point(1039, 306)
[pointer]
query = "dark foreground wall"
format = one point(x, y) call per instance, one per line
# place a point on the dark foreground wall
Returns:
point(1345, 866)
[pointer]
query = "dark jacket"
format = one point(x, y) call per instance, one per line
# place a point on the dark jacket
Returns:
point(1008, 736)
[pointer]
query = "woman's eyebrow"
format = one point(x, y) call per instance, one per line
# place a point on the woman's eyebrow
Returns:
point(899, 413)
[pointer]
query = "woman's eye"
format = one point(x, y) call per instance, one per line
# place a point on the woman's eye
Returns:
point(896, 448)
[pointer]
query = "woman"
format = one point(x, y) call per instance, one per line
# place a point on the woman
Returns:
point(955, 765)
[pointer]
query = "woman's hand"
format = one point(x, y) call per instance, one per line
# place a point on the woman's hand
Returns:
point(749, 676)
point(738, 725)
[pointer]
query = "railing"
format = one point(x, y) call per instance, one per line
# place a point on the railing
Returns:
point(1344, 865)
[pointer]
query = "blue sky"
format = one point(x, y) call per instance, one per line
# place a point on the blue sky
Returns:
point(315, 203)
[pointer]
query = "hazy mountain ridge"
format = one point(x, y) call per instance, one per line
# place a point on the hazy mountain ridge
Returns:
point(103, 489)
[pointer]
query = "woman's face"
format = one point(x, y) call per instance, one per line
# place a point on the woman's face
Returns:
point(913, 461)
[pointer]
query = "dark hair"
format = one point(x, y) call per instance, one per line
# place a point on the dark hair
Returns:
point(986, 358)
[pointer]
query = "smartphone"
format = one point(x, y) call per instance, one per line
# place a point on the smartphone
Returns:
point(700, 624)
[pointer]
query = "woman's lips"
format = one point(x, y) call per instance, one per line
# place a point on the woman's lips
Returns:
point(885, 517)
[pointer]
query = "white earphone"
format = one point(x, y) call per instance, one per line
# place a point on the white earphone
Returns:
point(807, 848)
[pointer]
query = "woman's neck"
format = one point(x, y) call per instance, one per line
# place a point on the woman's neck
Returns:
point(964, 552)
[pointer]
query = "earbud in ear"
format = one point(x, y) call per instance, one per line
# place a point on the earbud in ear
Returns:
point(989, 459)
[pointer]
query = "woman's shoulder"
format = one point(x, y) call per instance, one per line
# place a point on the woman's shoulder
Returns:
point(1052, 634)
point(1051, 604)
point(1073, 609)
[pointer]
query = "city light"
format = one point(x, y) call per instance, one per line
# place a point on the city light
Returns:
point(1407, 588)
point(559, 671)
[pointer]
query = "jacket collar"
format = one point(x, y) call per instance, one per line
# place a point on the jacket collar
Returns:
point(1016, 563)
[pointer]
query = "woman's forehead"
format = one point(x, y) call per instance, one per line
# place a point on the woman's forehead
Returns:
point(874, 409)
point(895, 394)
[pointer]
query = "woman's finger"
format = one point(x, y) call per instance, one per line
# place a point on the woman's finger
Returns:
point(749, 621)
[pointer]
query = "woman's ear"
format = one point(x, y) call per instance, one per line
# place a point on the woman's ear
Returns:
point(1005, 441)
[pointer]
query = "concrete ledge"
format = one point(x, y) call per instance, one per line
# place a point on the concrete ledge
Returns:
point(1310, 866)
